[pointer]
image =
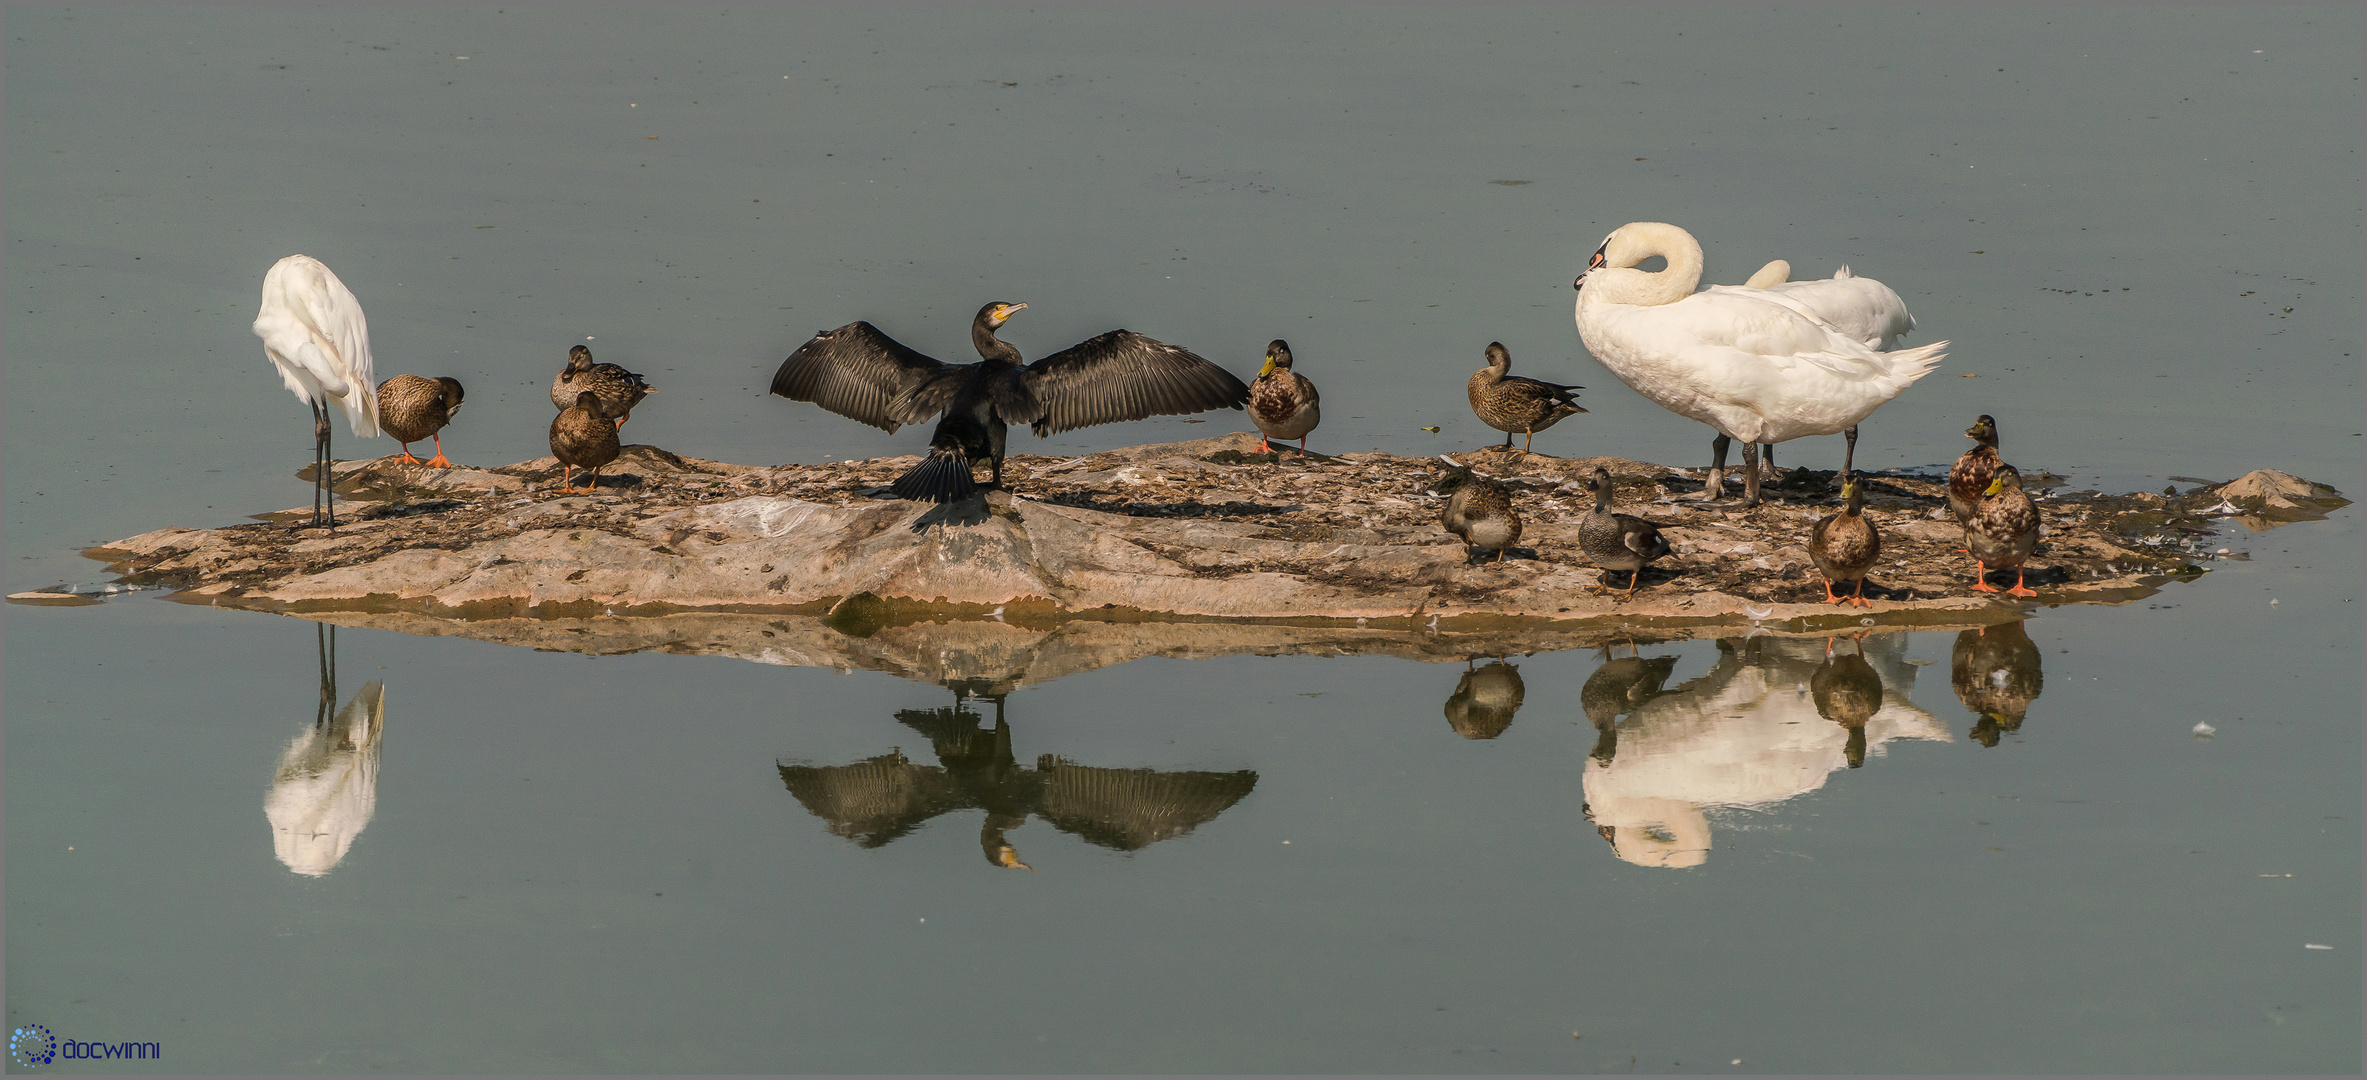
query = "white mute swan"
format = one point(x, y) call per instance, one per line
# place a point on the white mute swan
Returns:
point(1863, 309)
point(1753, 364)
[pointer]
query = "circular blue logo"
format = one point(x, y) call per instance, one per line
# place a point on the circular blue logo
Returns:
point(32, 1045)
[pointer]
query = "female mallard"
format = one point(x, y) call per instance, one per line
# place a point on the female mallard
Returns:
point(2003, 531)
point(1484, 700)
point(583, 438)
point(1847, 692)
point(619, 390)
point(1995, 671)
point(1512, 403)
point(1617, 541)
point(1282, 402)
point(1845, 545)
point(411, 408)
point(1478, 510)
point(1973, 471)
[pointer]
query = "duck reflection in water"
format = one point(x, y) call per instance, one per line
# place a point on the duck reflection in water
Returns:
point(1484, 700)
point(1847, 692)
point(1995, 672)
point(1616, 689)
point(1745, 736)
point(326, 788)
point(877, 800)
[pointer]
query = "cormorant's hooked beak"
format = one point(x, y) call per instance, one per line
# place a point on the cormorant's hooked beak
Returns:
point(1007, 857)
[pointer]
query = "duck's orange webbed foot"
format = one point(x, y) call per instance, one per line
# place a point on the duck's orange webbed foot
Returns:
point(2020, 589)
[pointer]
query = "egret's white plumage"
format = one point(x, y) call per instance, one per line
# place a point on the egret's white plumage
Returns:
point(1754, 364)
point(314, 333)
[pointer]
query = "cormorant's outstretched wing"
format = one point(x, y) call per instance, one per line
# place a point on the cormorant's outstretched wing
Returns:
point(1122, 375)
point(1130, 809)
point(873, 801)
point(862, 374)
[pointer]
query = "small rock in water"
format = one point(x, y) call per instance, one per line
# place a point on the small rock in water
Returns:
point(2203, 730)
point(2321, 948)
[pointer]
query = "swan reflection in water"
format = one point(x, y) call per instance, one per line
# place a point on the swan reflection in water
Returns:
point(1751, 733)
point(326, 788)
point(1484, 700)
point(1995, 672)
point(877, 800)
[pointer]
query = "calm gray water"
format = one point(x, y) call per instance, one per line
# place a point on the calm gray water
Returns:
point(629, 863)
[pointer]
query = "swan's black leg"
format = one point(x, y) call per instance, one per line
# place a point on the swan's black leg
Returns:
point(1715, 488)
point(1848, 456)
point(1750, 475)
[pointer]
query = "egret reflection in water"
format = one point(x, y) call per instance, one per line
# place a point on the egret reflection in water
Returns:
point(1746, 735)
point(1996, 674)
point(326, 788)
point(879, 799)
point(1484, 700)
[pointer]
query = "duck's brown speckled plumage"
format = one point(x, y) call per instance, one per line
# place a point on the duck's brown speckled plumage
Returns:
point(1617, 541)
point(582, 437)
point(1845, 545)
point(1479, 510)
point(2003, 531)
point(1973, 470)
point(618, 390)
point(411, 408)
point(1282, 403)
point(1514, 404)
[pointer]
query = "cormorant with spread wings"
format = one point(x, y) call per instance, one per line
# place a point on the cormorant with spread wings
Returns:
point(862, 374)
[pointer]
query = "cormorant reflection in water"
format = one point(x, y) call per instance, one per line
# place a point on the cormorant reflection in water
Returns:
point(874, 801)
point(1995, 672)
point(326, 787)
point(1484, 700)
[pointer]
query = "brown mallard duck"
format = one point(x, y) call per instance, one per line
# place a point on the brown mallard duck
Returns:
point(1847, 692)
point(411, 408)
point(1513, 403)
point(1484, 700)
point(1995, 671)
point(1973, 469)
point(619, 390)
point(1282, 402)
point(1617, 541)
point(1845, 545)
point(2003, 531)
point(583, 438)
point(1478, 509)
point(862, 374)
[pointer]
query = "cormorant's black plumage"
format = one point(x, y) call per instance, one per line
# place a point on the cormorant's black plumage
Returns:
point(862, 374)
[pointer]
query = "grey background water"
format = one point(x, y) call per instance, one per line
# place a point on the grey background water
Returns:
point(2108, 210)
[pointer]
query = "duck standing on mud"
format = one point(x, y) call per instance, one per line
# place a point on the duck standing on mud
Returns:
point(862, 374)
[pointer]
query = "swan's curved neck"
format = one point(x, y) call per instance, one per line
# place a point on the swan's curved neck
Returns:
point(1619, 282)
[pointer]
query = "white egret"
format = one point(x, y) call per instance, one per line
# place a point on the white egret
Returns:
point(313, 332)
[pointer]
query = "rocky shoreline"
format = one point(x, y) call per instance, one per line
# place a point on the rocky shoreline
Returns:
point(1195, 531)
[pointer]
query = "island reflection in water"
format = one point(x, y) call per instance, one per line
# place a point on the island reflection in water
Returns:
point(875, 801)
point(1768, 722)
point(326, 788)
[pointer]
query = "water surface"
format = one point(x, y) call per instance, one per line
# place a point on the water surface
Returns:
point(542, 861)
